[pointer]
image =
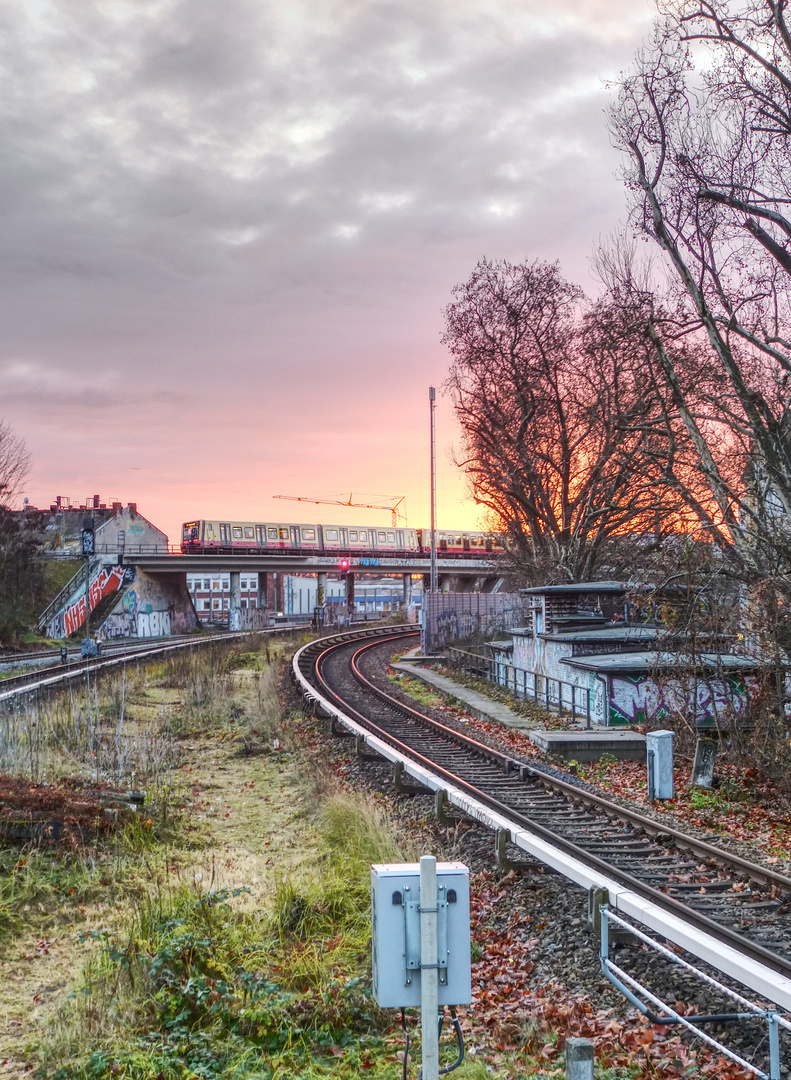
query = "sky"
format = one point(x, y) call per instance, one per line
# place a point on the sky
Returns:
point(230, 229)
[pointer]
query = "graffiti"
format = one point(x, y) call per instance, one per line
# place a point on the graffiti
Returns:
point(106, 581)
point(712, 701)
point(153, 624)
point(117, 626)
point(129, 602)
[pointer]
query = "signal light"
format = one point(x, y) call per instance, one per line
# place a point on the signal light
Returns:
point(344, 564)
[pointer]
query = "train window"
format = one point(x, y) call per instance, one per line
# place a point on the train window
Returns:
point(330, 534)
point(363, 537)
point(381, 536)
point(391, 538)
point(249, 532)
point(282, 534)
point(237, 532)
point(308, 534)
point(272, 534)
point(352, 536)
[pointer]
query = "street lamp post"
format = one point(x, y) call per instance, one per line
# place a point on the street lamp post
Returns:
point(432, 394)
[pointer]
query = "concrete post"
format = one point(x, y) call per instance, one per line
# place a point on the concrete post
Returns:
point(429, 972)
point(579, 1059)
point(321, 589)
point(407, 593)
point(235, 606)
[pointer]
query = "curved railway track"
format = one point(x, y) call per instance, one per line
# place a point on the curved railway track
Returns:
point(743, 908)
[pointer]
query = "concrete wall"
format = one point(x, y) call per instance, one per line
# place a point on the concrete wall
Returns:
point(151, 606)
point(452, 617)
point(635, 700)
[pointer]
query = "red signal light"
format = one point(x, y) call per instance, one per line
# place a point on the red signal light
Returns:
point(344, 564)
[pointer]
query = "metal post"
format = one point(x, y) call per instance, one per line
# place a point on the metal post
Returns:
point(774, 1047)
point(432, 394)
point(429, 970)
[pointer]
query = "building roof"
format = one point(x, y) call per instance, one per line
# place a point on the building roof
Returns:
point(622, 663)
point(614, 632)
point(576, 587)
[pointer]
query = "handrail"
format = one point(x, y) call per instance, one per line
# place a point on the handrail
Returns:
point(508, 676)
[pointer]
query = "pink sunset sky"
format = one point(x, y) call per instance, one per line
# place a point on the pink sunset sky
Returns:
point(231, 227)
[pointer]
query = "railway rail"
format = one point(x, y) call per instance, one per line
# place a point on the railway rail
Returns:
point(50, 677)
point(729, 912)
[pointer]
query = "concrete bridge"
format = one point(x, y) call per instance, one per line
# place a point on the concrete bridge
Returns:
point(126, 594)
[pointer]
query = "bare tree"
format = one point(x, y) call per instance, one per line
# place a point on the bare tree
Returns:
point(565, 439)
point(705, 122)
point(14, 464)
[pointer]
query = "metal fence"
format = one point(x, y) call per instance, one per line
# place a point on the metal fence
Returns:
point(556, 695)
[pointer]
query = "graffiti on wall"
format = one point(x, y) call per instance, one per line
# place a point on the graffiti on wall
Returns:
point(106, 581)
point(450, 617)
point(153, 624)
point(710, 701)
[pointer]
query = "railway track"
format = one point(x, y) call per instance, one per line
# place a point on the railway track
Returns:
point(723, 908)
point(50, 677)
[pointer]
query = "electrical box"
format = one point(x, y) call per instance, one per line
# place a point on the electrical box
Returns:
point(659, 757)
point(395, 911)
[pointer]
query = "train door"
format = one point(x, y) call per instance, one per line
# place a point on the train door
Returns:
point(260, 535)
point(295, 537)
point(400, 539)
point(225, 534)
point(372, 537)
point(344, 538)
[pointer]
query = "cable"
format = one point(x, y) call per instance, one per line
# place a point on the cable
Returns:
point(406, 1037)
point(459, 1036)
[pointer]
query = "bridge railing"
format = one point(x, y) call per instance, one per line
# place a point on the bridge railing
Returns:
point(555, 695)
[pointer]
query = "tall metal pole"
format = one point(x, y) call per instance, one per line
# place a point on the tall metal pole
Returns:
point(433, 579)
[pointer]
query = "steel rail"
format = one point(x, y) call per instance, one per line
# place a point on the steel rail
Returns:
point(576, 793)
point(757, 967)
point(52, 676)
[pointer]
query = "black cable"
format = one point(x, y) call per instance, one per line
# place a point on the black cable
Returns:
point(406, 1037)
point(460, 1037)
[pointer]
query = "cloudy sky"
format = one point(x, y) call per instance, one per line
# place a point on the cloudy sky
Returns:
point(230, 227)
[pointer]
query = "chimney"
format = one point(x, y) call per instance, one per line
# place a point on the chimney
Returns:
point(117, 507)
point(133, 507)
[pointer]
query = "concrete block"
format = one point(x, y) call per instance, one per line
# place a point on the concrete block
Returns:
point(579, 1059)
point(591, 745)
point(703, 765)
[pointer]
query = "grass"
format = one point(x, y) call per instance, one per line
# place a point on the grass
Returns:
point(191, 984)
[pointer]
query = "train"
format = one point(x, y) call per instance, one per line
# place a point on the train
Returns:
point(207, 536)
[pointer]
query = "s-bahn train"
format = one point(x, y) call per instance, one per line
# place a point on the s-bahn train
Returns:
point(259, 537)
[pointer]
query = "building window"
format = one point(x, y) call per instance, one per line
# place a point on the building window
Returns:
point(215, 605)
point(204, 605)
point(215, 586)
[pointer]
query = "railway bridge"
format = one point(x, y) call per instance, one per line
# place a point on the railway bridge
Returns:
point(142, 592)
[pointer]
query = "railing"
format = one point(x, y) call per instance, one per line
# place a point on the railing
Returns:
point(555, 695)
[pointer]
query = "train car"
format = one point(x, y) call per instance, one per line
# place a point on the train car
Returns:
point(251, 537)
point(248, 537)
point(351, 538)
point(461, 543)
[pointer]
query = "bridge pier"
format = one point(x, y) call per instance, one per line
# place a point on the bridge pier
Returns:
point(321, 590)
point(349, 598)
point(235, 602)
point(407, 592)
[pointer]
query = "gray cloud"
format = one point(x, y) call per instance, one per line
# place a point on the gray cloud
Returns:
point(213, 209)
